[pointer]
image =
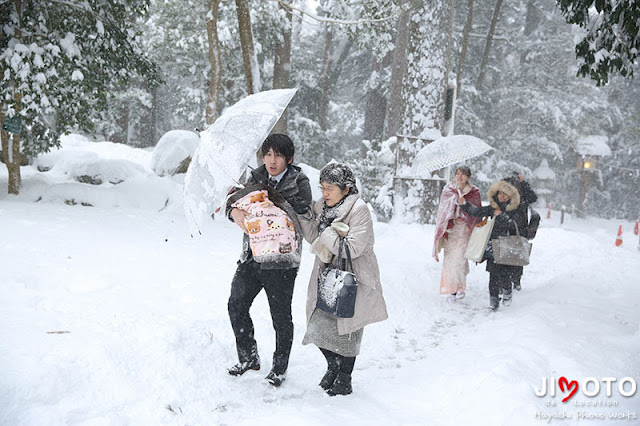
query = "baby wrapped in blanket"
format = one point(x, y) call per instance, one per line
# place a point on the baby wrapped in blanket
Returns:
point(272, 233)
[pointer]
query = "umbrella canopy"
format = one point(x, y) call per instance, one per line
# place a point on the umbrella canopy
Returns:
point(225, 150)
point(446, 151)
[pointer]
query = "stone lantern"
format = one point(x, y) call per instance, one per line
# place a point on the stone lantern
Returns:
point(589, 150)
point(544, 181)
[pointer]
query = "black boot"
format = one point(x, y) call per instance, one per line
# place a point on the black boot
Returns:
point(242, 367)
point(333, 367)
point(329, 378)
point(275, 379)
point(506, 298)
point(494, 303)
point(341, 386)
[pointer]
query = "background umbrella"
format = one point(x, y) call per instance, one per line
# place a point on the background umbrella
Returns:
point(446, 151)
point(225, 150)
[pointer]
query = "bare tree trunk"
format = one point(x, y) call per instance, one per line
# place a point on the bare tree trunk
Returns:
point(449, 52)
point(424, 86)
point(533, 18)
point(465, 44)
point(325, 76)
point(249, 58)
point(449, 94)
point(11, 152)
point(213, 95)
point(282, 64)
point(376, 105)
point(147, 123)
point(11, 158)
point(395, 102)
point(487, 47)
point(10, 141)
point(423, 90)
point(122, 120)
point(337, 68)
point(153, 116)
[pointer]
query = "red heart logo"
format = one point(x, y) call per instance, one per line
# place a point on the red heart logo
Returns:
point(563, 382)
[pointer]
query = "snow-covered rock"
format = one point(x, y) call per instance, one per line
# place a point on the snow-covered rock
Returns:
point(99, 174)
point(173, 152)
point(88, 166)
point(107, 170)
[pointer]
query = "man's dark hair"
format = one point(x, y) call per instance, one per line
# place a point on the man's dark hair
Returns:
point(281, 144)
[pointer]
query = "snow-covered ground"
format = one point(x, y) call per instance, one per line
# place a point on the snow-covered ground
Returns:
point(112, 314)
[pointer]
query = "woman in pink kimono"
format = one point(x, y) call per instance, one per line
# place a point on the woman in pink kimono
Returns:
point(453, 228)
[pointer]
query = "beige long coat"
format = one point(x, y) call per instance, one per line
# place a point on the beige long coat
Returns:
point(370, 305)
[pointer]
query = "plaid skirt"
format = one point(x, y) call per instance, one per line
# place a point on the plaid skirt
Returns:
point(322, 331)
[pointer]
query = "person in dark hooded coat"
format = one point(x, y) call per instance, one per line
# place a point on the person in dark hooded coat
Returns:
point(528, 227)
point(504, 200)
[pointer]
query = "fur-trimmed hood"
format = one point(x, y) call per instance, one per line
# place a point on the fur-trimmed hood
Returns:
point(507, 188)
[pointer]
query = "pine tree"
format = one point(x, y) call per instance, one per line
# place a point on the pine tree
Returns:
point(58, 60)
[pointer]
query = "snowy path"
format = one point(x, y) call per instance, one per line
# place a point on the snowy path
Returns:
point(118, 317)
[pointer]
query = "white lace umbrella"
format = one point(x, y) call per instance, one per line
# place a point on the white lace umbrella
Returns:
point(225, 150)
point(446, 151)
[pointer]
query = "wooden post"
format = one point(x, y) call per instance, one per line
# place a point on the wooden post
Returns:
point(585, 180)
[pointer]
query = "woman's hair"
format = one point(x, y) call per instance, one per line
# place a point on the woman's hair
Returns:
point(340, 175)
point(464, 169)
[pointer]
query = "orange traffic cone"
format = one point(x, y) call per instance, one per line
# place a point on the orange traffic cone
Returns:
point(635, 229)
point(619, 237)
point(548, 211)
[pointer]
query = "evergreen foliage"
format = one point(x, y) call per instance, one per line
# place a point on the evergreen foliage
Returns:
point(611, 41)
point(60, 59)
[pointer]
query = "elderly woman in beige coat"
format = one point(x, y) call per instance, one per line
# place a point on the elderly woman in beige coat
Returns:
point(341, 214)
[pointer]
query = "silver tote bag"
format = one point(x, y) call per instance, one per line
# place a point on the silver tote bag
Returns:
point(512, 250)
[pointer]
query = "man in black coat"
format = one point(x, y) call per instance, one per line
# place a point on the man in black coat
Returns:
point(277, 278)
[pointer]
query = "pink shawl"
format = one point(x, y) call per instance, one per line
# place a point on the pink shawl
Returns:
point(448, 210)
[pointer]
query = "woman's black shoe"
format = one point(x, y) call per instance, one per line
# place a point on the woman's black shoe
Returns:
point(341, 386)
point(327, 380)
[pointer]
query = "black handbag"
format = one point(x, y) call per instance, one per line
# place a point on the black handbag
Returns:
point(534, 223)
point(337, 288)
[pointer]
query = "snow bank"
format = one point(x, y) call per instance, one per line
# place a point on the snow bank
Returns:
point(98, 174)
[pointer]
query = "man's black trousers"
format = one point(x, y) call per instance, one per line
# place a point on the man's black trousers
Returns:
point(278, 284)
